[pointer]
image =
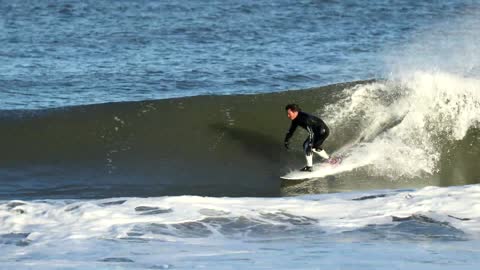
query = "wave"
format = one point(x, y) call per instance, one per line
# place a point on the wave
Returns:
point(188, 231)
point(108, 230)
point(411, 127)
point(425, 129)
point(187, 217)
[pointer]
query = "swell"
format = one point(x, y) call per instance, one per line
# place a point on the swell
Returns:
point(204, 145)
point(231, 145)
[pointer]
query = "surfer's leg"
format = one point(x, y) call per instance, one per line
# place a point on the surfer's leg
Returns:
point(309, 159)
point(308, 156)
point(317, 145)
point(309, 166)
point(321, 152)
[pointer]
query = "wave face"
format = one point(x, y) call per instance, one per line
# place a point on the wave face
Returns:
point(420, 131)
point(205, 145)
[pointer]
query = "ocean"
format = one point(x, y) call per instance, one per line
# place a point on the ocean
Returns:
point(149, 134)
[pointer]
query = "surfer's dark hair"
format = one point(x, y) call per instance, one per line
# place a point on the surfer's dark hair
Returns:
point(293, 107)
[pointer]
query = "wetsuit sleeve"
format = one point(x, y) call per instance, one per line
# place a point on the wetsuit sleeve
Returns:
point(290, 132)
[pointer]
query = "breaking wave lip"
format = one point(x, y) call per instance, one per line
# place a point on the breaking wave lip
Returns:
point(408, 128)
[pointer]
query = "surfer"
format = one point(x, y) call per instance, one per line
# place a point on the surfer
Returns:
point(317, 133)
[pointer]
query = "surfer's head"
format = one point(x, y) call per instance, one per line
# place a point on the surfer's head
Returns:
point(292, 111)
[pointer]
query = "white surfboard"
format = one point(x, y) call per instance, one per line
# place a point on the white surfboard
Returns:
point(331, 167)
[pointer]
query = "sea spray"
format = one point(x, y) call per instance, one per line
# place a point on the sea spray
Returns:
point(403, 127)
point(410, 123)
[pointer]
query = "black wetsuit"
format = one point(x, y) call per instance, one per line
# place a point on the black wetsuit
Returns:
point(317, 131)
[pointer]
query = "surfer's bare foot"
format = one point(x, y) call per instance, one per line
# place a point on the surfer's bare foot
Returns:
point(306, 169)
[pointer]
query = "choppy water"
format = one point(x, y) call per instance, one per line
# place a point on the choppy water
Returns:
point(57, 53)
point(431, 228)
point(107, 159)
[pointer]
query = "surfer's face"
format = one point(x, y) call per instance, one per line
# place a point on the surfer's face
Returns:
point(291, 114)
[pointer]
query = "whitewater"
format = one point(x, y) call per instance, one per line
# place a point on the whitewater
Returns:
point(154, 141)
point(429, 228)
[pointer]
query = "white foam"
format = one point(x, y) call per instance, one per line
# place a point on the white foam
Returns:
point(152, 232)
point(403, 125)
point(323, 169)
point(61, 220)
point(431, 98)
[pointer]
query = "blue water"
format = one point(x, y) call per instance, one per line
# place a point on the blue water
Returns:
point(62, 53)
point(59, 53)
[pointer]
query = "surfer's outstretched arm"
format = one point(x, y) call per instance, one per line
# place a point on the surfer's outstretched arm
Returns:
point(290, 132)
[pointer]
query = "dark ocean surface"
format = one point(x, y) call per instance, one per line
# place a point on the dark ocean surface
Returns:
point(61, 53)
point(154, 98)
point(141, 134)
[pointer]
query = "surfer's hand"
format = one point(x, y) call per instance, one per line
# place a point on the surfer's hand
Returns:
point(287, 146)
